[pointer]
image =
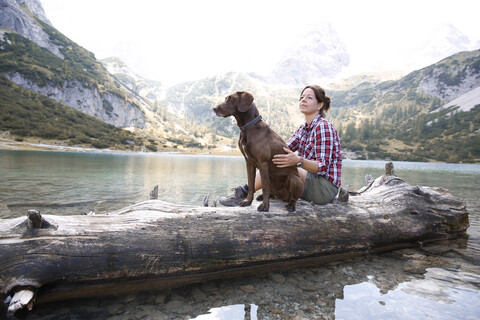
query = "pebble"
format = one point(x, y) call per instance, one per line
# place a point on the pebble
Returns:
point(174, 305)
point(248, 289)
point(198, 295)
point(277, 277)
point(160, 299)
point(114, 308)
point(307, 286)
point(436, 249)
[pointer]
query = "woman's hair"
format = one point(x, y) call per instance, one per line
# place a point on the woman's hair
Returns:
point(321, 97)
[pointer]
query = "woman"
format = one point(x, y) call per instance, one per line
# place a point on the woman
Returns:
point(318, 157)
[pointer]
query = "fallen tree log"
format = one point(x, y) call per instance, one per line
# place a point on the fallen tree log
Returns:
point(156, 244)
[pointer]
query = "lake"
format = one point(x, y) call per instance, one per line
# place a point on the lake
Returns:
point(446, 286)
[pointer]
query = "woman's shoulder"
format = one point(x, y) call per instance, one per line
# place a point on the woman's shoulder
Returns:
point(324, 125)
point(321, 121)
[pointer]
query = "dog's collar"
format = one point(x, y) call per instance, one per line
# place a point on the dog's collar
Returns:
point(251, 123)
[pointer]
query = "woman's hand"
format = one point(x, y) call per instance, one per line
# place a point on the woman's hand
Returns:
point(286, 160)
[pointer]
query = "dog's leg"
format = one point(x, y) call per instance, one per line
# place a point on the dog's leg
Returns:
point(294, 187)
point(251, 185)
point(291, 206)
point(265, 205)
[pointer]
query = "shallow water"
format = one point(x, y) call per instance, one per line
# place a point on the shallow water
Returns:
point(438, 281)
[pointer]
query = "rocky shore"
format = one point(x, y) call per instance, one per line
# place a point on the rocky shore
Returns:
point(305, 293)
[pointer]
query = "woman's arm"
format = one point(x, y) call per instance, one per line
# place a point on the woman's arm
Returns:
point(321, 152)
point(292, 159)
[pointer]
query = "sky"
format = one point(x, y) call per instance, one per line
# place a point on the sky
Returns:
point(181, 40)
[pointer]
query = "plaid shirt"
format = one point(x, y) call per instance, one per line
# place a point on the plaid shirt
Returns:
point(319, 141)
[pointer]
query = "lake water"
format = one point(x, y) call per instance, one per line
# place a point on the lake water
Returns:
point(444, 285)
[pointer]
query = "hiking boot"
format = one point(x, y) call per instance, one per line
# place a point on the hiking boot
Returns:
point(239, 194)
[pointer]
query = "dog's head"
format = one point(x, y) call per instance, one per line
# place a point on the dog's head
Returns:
point(237, 102)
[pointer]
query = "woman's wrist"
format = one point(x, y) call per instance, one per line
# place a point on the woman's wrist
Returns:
point(299, 162)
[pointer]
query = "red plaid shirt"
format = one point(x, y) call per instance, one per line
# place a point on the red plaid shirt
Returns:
point(319, 141)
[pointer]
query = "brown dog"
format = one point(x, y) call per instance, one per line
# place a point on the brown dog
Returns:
point(258, 144)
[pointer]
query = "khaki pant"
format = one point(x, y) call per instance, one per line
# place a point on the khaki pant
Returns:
point(318, 189)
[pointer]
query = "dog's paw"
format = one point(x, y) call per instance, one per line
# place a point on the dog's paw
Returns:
point(263, 207)
point(260, 197)
point(245, 203)
point(290, 208)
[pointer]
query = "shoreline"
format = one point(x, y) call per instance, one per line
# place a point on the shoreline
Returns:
point(35, 144)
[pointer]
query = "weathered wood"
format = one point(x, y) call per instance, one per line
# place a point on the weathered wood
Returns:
point(155, 243)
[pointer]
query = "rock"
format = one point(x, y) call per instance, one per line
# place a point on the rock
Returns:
point(18, 19)
point(198, 295)
point(276, 277)
point(248, 289)
point(115, 308)
point(419, 263)
point(436, 249)
point(307, 286)
point(174, 305)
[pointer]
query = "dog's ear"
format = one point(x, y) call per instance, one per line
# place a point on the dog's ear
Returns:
point(245, 100)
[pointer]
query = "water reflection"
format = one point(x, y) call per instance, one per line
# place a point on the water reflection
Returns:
point(66, 183)
point(235, 312)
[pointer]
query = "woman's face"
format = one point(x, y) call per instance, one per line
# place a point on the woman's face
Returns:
point(308, 102)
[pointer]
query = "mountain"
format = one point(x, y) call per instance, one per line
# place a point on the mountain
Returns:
point(433, 44)
point(195, 100)
point(430, 114)
point(319, 54)
point(405, 119)
point(37, 57)
point(150, 89)
point(27, 114)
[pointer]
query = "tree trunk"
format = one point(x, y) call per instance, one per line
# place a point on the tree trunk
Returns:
point(156, 244)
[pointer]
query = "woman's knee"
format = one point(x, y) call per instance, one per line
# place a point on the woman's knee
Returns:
point(303, 175)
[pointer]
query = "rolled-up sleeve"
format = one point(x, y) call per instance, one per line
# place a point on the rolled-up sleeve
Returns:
point(323, 142)
point(294, 142)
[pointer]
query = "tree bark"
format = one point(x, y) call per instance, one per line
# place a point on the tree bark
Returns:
point(156, 244)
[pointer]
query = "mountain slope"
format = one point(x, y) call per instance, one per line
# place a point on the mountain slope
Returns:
point(27, 113)
point(404, 119)
point(150, 89)
point(37, 57)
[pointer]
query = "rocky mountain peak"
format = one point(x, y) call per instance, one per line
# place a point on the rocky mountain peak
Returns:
point(318, 54)
point(36, 8)
point(16, 18)
point(435, 43)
